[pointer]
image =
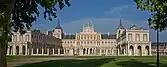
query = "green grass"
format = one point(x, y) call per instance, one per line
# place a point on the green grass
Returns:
point(123, 61)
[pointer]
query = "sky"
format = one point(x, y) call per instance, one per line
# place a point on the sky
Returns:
point(104, 14)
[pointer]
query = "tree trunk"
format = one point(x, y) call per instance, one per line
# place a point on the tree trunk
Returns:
point(3, 62)
point(4, 30)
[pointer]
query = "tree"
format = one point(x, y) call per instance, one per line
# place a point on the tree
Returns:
point(158, 21)
point(18, 15)
point(158, 9)
point(36, 30)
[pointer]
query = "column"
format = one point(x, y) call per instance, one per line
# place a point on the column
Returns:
point(124, 51)
point(26, 50)
point(37, 51)
point(95, 51)
point(92, 51)
point(14, 50)
point(89, 51)
point(127, 50)
point(8, 50)
point(118, 51)
point(58, 51)
point(150, 54)
point(64, 51)
point(53, 51)
point(31, 51)
point(71, 51)
point(85, 50)
point(20, 50)
point(48, 51)
point(112, 52)
point(81, 52)
point(143, 49)
point(42, 51)
point(100, 51)
point(135, 49)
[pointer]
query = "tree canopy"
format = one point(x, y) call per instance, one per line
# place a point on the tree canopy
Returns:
point(25, 12)
point(18, 16)
point(36, 30)
point(158, 9)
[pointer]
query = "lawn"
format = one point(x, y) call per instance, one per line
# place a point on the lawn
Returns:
point(123, 61)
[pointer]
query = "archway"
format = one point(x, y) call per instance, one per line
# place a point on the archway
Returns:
point(87, 50)
point(17, 50)
point(147, 50)
point(40, 50)
point(139, 50)
point(10, 50)
point(90, 50)
point(84, 51)
point(24, 50)
point(131, 50)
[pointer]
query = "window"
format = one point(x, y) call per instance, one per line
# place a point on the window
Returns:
point(144, 37)
point(27, 37)
point(137, 37)
point(108, 51)
point(108, 41)
point(91, 37)
point(20, 38)
point(14, 38)
point(130, 37)
point(81, 37)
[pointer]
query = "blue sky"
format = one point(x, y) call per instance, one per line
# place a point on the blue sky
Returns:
point(104, 14)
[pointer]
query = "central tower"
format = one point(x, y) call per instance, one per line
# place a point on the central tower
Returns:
point(88, 28)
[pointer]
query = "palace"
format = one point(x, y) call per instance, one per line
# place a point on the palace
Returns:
point(131, 41)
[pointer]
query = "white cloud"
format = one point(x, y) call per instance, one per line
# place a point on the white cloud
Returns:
point(119, 9)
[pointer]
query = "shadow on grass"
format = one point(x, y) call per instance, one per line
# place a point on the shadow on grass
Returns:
point(135, 63)
point(70, 63)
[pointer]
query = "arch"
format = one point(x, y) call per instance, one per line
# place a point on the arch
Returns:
point(84, 51)
point(139, 49)
point(17, 50)
point(90, 50)
point(61, 51)
point(40, 50)
point(147, 50)
point(10, 50)
point(23, 50)
point(131, 50)
point(87, 50)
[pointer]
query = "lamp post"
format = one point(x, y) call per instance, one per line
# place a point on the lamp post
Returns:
point(158, 45)
point(157, 30)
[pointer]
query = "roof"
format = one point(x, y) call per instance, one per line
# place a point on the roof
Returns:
point(120, 25)
point(69, 37)
point(58, 25)
point(108, 36)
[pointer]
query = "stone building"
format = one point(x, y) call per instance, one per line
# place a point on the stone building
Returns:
point(33, 43)
point(88, 42)
point(162, 48)
point(133, 41)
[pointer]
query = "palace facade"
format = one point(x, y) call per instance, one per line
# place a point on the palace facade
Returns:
point(131, 41)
